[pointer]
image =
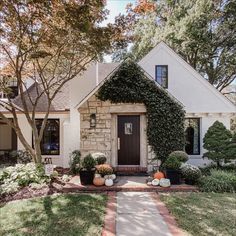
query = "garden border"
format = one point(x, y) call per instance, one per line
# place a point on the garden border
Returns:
point(168, 218)
point(109, 228)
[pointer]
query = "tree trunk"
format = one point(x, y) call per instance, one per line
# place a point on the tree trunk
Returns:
point(37, 148)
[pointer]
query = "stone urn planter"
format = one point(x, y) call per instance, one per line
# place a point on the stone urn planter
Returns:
point(88, 170)
point(86, 176)
point(173, 176)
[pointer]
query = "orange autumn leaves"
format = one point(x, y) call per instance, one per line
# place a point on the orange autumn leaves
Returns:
point(142, 7)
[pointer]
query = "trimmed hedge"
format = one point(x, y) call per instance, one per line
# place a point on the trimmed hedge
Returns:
point(165, 116)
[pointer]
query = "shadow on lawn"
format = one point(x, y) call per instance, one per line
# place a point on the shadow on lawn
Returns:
point(69, 214)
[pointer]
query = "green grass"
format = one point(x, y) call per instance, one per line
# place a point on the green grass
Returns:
point(69, 214)
point(203, 213)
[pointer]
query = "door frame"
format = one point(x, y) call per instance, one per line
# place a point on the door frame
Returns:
point(143, 140)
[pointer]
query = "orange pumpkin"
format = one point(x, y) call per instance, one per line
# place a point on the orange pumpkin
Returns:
point(159, 175)
point(98, 181)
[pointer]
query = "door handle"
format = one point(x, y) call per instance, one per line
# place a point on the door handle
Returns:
point(118, 143)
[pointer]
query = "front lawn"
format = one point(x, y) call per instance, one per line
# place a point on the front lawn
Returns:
point(203, 213)
point(68, 214)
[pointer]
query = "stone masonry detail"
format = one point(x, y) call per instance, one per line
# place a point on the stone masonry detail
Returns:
point(98, 139)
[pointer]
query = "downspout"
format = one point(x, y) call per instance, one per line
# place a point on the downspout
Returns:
point(97, 82)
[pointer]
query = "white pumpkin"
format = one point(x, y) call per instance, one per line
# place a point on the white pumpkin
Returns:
point(113, 176)
point(164, 182)
point(155, 182)
point(108, 177)
point(108, 182)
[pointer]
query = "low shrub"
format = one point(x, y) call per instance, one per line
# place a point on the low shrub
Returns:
point(180, 155)
point(99, 157)
point(66, 178)
point(88, 162)
point(75, 159)
point(104, 169)
point(218, 181)
point(229, 167)
point(14, 177)
point(22, 156)
point(190, 172)
point(206, 170)
point(172, 162)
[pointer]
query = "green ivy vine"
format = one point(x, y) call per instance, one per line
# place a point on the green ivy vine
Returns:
point(165, 116)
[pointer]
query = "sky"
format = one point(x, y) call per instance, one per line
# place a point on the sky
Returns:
point(115, 7)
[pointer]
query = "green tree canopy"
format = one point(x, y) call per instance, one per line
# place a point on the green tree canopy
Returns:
point(203, 32)
point(231, 149)
point(218, 143)
point(50, 42)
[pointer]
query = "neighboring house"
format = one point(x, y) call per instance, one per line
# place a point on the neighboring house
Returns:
point(78, 120)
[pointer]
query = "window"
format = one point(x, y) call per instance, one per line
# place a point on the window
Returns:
point(11, 83)
point(2, 95)
point(162, 75)
point(8, 139)
point(50, 144)
point(192, 136)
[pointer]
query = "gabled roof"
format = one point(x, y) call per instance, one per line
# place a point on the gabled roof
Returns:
point(190, 69)
point(204, 82)
point(96, 88)
point(109, 72)
point(60, 102)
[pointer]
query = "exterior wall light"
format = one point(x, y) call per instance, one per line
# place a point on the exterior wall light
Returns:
point(93, 120)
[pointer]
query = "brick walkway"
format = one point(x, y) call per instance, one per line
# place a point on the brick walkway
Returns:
point(138, 214)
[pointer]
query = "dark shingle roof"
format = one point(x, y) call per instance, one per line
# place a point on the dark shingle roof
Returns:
point(60, 102)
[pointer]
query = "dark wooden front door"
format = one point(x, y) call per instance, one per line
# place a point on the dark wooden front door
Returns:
point(128, 140)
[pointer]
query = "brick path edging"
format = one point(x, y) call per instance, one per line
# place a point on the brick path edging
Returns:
point(168, 218)
point(109, 228)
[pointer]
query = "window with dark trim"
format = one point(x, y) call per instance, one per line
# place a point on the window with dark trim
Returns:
point(50, 144)
point(11, 83)
point(192, 136)
point(161, 75)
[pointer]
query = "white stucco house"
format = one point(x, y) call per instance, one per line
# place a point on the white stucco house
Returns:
point(78, 120)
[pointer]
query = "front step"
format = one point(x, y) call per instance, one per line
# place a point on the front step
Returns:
point(131, 171)
point(125, 184)
point(124, 173)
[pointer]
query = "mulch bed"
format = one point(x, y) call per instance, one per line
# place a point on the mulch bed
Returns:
point(55, 186)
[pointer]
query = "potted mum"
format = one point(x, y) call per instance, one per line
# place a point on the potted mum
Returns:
point(87, 170)
point(190, 173)
point(104, 169)
point(106, 172)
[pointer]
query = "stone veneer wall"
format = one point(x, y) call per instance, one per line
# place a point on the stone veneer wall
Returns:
point(99, 139)
point(96, 139)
